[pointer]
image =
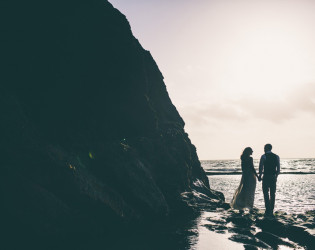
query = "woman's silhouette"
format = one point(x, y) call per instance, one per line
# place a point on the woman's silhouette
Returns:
point(245, 194)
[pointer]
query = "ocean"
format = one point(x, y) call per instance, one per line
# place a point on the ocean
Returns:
point(295, 186)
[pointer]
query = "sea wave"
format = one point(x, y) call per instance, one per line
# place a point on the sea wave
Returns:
point(233, 167)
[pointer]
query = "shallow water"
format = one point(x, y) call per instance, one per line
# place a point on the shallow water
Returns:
point(210, 240)
point(295, 185)
point(295, 193)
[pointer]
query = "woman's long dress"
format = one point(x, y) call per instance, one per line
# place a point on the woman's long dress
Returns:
point(245, 194)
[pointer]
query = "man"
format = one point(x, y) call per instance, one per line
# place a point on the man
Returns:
point(269, 165)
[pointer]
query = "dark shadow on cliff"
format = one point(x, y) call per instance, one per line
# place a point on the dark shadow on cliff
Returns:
point(90, 140)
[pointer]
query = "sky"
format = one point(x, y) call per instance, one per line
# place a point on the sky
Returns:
point(240, 72)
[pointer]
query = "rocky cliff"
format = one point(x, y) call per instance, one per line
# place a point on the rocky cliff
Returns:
point(89, 135)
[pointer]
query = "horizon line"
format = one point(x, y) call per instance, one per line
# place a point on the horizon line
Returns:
point(284, 158)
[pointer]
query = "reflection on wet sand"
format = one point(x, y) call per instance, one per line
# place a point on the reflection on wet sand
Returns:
point(255, 231)
point(211, 228)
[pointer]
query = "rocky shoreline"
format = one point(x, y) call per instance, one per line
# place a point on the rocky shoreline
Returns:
point(256, 231)
point(252, 228)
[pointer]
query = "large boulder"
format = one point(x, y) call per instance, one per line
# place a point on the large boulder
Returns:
point(89, 135)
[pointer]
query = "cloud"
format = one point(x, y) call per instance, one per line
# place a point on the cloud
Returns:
point(301, 100)
point(204, 113)
point(274, 111)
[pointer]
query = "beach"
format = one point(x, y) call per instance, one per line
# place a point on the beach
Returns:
point(295, 186)
point(292, 227)
point(295, 193)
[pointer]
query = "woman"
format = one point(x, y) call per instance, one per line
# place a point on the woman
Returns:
point(244, 195)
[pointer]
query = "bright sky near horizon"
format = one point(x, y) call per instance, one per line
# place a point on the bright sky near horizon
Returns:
point(240, 72)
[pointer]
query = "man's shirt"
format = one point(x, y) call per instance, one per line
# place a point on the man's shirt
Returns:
point(262, 162)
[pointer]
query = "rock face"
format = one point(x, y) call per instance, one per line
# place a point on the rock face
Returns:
point(89, 135)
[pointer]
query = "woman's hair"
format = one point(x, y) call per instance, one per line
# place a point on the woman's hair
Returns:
point(246, 153)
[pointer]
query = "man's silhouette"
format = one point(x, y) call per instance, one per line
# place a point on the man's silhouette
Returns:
point(269, 165)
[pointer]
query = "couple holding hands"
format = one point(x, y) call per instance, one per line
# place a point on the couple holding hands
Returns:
point(269, 169)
